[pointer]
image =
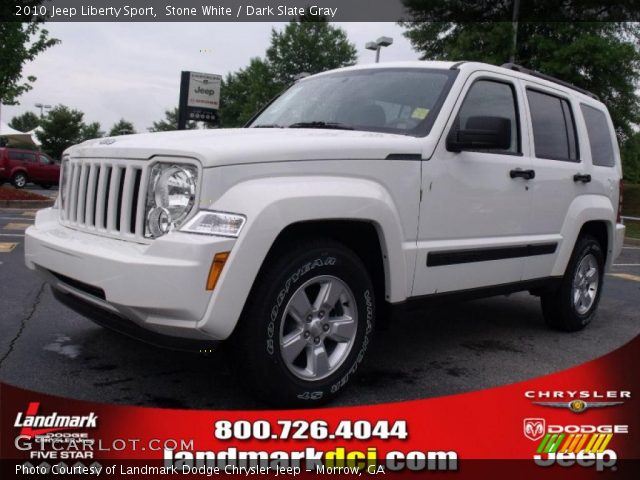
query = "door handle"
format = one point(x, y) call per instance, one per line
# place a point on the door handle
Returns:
point(526, 174)
point(582, 177)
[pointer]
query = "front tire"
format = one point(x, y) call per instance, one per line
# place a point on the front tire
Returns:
point(306, 326)
point(572, 306)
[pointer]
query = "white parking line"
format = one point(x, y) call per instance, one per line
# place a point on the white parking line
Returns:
point(631, 248)
point(22, 219)
point(11, 235)
point(626, 265)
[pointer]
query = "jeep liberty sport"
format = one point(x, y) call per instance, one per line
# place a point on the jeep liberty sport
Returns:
point(353, 191)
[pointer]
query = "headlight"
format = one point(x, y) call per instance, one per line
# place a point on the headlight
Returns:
point(215, 223)
point(170, 198)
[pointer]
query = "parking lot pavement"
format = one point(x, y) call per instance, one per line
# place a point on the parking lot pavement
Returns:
point(438, 351)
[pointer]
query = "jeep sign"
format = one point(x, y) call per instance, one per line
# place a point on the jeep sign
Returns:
point(204, 90)
point(199, 97)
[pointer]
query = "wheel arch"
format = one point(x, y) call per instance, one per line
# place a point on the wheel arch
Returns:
point(356, 212)
point(17, 170)
point(602, 231)
point(363, 237)
point(588, 214)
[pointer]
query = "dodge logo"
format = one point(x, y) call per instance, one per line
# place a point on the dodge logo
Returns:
point(534, 428)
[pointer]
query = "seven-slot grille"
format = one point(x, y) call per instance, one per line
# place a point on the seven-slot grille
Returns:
point(105, 197)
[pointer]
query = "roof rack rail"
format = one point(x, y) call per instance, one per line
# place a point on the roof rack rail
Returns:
point(534, 73)
point(457, 64)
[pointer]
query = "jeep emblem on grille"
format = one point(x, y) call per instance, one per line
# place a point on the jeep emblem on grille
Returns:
point(107, 141)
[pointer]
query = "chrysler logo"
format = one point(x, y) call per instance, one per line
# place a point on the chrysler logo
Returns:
point(578, 406)
point(534, 428)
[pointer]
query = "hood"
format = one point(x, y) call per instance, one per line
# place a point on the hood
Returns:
point(216, 147)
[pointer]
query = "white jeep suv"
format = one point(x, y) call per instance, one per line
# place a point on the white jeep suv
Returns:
point(355, 190)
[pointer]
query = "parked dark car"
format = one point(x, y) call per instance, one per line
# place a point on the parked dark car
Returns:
point(23, 166)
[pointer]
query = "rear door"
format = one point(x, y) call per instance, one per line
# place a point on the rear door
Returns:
point(32, 165)
point(556, 159)
point(473, 229)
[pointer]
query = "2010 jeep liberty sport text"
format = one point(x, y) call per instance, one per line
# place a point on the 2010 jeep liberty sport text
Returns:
point(354, 190)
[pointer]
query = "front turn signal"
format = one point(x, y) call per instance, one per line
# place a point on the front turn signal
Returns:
point(216, 269)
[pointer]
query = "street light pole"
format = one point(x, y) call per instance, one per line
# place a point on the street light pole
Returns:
point(378, 44)
point(42, 107)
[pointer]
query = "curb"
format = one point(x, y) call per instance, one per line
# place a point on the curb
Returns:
point(26, 203)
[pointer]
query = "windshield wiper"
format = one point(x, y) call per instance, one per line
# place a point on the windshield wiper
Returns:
point(268, 125)
point(334, 125)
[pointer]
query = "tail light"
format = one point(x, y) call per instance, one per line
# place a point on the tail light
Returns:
point(621, 188)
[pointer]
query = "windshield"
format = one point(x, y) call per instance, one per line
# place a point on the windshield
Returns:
point(404, 101)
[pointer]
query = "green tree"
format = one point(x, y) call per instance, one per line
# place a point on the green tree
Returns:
point(21, 43)
point(602, 57)
point(309, 44)
point(170, 122)
point(25, 122)
point(630, 153)
point(90, 131)
point(245, 92)
point(61, 128)
point(122, 127)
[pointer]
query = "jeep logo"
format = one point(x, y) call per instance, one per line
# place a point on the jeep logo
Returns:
point(205, 91)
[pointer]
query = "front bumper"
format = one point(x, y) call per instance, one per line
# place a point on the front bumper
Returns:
point(160, 286)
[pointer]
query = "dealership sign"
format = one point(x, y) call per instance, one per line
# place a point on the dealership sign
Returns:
point(199, 98)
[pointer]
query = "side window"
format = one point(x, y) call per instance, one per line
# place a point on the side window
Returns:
point(489, 98)
point(16, 156)
point(599, 136)
point(554, 131)
point(29, 157)
point(44, 160)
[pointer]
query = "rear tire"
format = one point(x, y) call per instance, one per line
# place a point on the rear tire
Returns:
point(572, 306)
point(306, 326)
point(19, 180)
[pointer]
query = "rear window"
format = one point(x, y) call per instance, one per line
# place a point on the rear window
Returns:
point(599, 136)
point(553, 127)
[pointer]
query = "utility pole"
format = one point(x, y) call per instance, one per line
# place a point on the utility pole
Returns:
point(514, 22)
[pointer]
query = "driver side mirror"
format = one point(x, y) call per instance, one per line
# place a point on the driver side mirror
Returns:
point(480, 133)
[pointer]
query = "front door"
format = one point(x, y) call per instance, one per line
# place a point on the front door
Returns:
point(49, 171)
point(474, 211)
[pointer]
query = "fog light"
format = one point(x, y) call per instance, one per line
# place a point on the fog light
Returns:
point(159, 221)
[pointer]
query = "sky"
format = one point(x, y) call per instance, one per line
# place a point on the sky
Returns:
point(132, 70)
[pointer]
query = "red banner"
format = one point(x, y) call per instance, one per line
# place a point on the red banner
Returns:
point(580, 422)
